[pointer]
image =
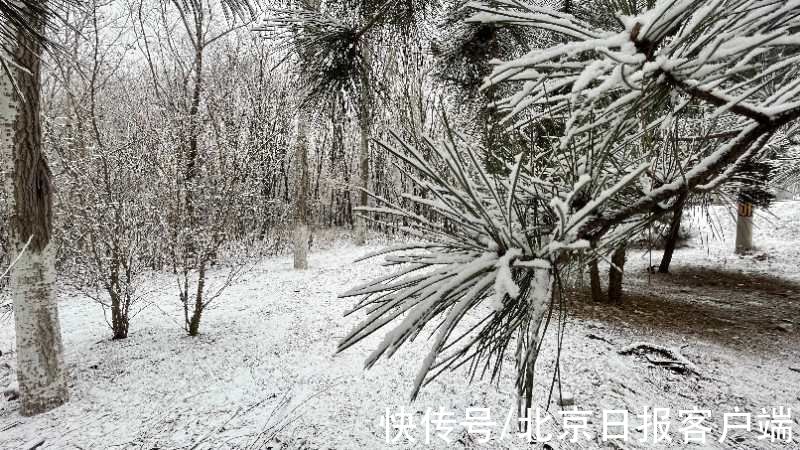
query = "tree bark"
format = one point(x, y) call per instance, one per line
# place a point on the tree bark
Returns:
point(594, 281)
point(190, 168)
point(615, 275)
point(41, 373)
point(119, 310)
point(363, 160)
point(193, 325)
point(674, 231)
point(301, 199)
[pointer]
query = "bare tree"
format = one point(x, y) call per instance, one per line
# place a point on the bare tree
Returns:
point(205, 195)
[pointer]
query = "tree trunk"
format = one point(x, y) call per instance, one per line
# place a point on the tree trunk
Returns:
point(194, 323)
point(119, 319)
point(119, 316)
point(674, 231)
point(193, 326)
point(744, 228)
point(301, 193)
point(190, 168)
point(363, 160)
point(615, 275)
point(41, 373)
point(594, 281)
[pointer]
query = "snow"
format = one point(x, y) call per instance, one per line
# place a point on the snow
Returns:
point(504, 280)
point(265, 358)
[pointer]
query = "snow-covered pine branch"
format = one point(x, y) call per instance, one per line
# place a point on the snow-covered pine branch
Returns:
point(740, 66)
point(618, 91)
point(487, 229)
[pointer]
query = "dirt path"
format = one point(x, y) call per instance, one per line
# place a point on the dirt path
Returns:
point(740, 310)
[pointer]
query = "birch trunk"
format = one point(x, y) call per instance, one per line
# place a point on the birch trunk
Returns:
point(744, 228)
point(41, 374)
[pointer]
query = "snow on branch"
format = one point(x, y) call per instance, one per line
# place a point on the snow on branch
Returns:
point(496, 242)
point(734, 59)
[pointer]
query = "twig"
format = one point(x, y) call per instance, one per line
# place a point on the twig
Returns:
point(33, 445)
point(216, 430)
point(24, 247)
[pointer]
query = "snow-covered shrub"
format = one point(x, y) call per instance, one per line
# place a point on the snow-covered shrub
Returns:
point(155, 176)
point(108, 223)
point(106, 214)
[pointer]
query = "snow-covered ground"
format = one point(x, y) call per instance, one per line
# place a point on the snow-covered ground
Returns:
point(263, 374)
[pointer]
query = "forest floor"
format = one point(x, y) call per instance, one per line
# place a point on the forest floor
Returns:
point(264, 373)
